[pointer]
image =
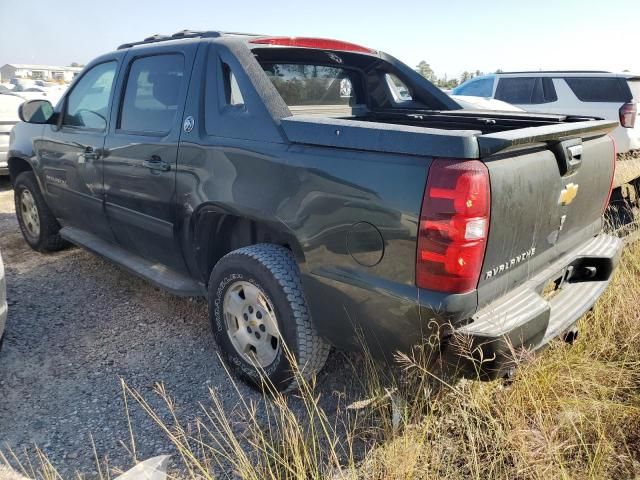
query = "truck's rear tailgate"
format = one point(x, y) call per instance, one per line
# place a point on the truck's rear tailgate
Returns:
point(539, 211)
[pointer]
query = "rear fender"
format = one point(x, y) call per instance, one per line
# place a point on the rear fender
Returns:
point(218, 229)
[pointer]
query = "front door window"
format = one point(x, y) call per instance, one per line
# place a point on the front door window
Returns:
point(88, 102)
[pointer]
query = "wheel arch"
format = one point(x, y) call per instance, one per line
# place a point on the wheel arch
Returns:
point(17, 165)
point(218, 230)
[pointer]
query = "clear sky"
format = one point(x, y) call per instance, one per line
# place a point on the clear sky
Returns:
point(452, 36)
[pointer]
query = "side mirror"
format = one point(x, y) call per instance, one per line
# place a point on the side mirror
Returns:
point(36, 111)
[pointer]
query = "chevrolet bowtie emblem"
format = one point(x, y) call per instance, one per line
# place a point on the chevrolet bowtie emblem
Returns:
point(568, 194)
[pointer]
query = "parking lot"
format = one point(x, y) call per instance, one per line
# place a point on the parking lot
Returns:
point(77, 324)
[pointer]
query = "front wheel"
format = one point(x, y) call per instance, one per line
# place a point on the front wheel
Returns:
point(38, 225)
point(260, 317)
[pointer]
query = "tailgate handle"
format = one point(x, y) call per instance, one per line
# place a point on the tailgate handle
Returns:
point(568, 154)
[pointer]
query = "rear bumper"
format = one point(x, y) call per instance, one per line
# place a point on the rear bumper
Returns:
point(525, 320)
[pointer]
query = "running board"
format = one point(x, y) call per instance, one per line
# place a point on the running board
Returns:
point(156, 273)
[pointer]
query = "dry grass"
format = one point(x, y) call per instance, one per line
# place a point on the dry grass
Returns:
point(570, 412)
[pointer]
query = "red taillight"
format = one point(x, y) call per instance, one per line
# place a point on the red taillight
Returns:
point(454, 224)
point(628, 113)
point(307, 42)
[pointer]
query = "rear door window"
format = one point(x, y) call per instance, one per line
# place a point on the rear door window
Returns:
point(152, 93)
point(525, 90)
point(600, 89)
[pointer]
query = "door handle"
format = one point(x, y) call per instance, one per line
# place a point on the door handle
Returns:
point(88, 154)
point(157, 164)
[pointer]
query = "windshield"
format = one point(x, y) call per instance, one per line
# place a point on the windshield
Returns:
point(481, 87)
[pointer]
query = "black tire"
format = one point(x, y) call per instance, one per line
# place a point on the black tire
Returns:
point(274, 271)
point(48, 239)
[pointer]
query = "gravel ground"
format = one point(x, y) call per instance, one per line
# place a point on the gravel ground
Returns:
point(77, 324)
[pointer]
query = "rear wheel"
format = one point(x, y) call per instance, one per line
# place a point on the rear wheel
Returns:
point(260, 317)
point(38, 225)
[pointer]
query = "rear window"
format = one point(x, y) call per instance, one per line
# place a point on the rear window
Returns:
point(600, 89)
point(302, 85)
point(526, 90)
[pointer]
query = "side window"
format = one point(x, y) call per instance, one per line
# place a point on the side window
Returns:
point(519, 90)
point(233, 95)
point(600, 89)
point(87, 105)
point(483, 87)
point(152, 93)
point(232, 108)
point(399, 91)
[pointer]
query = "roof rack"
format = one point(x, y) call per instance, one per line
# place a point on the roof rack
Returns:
point(180, 35)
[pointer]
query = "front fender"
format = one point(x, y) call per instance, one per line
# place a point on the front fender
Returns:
point(22, 148)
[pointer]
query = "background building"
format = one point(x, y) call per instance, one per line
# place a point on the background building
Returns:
point(37, 72)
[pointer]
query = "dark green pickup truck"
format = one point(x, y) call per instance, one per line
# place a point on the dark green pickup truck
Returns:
point(320, 193)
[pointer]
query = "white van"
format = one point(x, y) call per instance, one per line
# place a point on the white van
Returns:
point(606, 95)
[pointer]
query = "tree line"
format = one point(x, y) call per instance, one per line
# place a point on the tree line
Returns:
point(424, 69)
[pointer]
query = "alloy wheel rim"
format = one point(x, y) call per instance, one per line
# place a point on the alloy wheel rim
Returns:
point(30, 215)
point(251, 323)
